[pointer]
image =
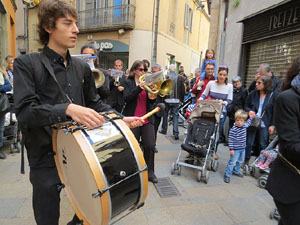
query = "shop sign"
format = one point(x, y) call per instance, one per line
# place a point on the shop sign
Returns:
point(110, 46)
point(104, 46)
point(285, 18)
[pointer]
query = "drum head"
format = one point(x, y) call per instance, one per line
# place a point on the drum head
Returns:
point(74, 168)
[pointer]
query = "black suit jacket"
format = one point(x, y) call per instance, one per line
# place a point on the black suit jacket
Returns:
point(130, 96)
point(283, 183)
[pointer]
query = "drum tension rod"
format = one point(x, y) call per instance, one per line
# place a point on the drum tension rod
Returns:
point(102, 191)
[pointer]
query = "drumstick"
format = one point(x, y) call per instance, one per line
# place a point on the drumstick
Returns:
point(160, 106)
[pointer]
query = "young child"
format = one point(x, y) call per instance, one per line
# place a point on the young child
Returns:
point(209, 58)
point(237, 144)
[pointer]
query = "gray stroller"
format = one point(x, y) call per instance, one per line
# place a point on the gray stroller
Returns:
point(201, 138)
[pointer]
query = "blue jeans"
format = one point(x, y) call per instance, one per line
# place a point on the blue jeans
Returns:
point(2, 120)
point(175, 113)
point(235, 162)
point(263, 135)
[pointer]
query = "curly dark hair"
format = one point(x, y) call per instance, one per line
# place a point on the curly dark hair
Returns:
point(293, 71)
point(49, 12)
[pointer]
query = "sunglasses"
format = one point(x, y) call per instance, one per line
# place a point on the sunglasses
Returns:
point(141, 69)
point(223, 67)
point(259, 82)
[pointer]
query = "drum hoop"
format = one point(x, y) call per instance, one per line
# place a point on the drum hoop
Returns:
point(138, 154)
point(105, 198)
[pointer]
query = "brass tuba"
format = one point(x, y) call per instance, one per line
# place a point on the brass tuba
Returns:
point(157, 84)
point(99, 77)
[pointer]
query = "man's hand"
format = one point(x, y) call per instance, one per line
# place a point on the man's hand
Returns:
point(120, 88)
point(84, 116)
point(271, 129)
point(133, 121)
point(231, 152)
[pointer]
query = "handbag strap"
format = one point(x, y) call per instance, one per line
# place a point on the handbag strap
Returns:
point(266, 105)
point(46, 63)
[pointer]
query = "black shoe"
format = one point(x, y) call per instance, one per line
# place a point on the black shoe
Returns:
point(162, 132)
point(238, 174)
point(2, 155)
point(225, 144)
point(226, 179)
point(176, 136)
point(155, 150)
point(151, 177)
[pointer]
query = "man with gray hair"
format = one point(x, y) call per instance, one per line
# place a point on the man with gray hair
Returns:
point(265, 69)
point(173, 101)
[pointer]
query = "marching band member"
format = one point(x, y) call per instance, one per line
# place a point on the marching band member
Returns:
point(40, 103)
point(138, 103)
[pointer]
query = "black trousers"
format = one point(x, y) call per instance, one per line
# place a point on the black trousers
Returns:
point(289, 213)
point(146, 134)
point(46, 196)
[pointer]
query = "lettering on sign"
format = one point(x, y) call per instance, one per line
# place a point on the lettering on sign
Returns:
point(104, 46)
point(284, 19)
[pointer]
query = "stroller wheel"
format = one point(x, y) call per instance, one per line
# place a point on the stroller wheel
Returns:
point(246, 170)
point(262, 181)
point(178, 170)
point(173, 168)
point(205, 177)
point(199, 175)
point(214, 166)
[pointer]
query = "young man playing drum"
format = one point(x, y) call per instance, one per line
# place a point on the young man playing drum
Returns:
point(42, 100)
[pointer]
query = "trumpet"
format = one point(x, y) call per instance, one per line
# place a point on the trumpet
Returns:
point(116, 74)
point(156, 84)
point(99, 77)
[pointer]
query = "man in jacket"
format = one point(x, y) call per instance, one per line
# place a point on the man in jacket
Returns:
point(265, 69)
point(173, 102)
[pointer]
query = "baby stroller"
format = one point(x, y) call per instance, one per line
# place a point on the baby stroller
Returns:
point(261, 173)
point(201, 138)
point(12, 133)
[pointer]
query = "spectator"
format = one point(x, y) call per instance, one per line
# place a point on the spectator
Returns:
point(265, 69)
point(10, 67)
point(260, 104)
point(185, 77)
point(237, 144)
point(284, 179)
point(4, 87)
point(239, 99)
point(200, 86)
point(173, 102)
point(220, 90)
point(192, 83)
point(146, 65)
point(209, 58)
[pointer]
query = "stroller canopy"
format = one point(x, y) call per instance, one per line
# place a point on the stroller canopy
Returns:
point(207, 107)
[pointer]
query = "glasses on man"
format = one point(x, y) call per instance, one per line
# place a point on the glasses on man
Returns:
point(259, 82)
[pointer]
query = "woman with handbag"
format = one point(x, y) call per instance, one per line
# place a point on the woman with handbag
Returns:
point(138, 103)
point(284, 179)
point(4, 106)
point(259, 104)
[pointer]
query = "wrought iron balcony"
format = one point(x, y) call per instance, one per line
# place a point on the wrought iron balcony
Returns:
point(109, 19)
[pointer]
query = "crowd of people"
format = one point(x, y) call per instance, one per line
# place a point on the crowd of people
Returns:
point(128, 97)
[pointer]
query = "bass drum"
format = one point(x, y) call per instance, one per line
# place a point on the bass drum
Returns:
point(103, 171)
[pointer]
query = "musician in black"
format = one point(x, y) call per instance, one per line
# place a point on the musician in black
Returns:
point(104, 90)
point(40, 103)
point(115, 98)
